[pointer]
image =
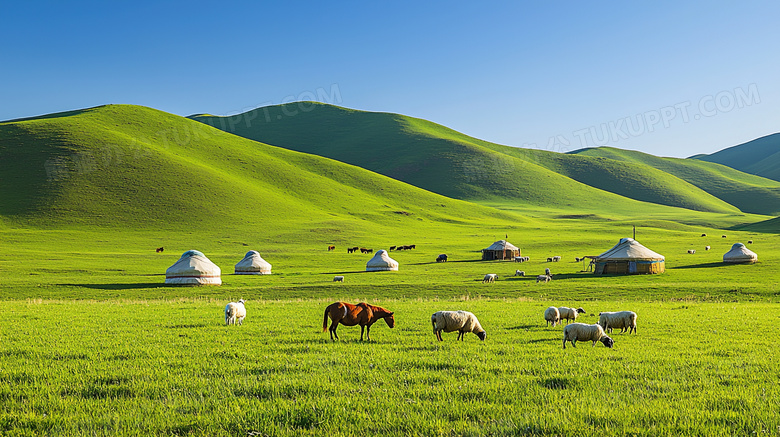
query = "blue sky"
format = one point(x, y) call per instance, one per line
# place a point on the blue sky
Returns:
point(668, 78)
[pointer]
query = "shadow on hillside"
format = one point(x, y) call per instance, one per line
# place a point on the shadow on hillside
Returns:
point(698, 266)
point(121, 286)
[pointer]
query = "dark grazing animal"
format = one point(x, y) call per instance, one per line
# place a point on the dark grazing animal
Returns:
point(331, 248)
point(361, 314)
point(159, 249)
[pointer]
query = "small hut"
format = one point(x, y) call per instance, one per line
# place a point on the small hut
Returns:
point(501, 249)
point(253, 264)
point(193, 268)
point(740, 254)
point(381, 262)
point(629, 257)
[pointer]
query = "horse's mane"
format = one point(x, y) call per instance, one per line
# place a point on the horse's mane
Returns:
point(378, 310)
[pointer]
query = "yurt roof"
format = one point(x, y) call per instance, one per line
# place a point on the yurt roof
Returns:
point(502, 245)
point(740, 253)
point(381, 261)
point(253, 263)
point(193, 267)
point(629, 249)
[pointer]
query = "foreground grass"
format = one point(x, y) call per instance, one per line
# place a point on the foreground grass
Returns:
point(171, 368)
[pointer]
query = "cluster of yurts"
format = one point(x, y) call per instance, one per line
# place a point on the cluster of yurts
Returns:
point(627, 257)
point(194, 268)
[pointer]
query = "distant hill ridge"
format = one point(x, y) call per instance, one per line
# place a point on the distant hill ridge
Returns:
point(453, 164)
point(759, 157)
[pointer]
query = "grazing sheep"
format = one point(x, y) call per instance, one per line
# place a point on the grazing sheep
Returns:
point(625, 320)
point(570, 313)
point(551, 315)
point(722, 236)
point(543, 278)
point(703, 235)
point(235, 313)
point(490, 277)
point(549, 260)
point(691, 251)
point(556, 259)
point(461, 321)
point(750, 241)
point(519, 273)
point(547, 272)
point(338, 279)
point(706, 247)
point(442, 258)
point(581, 331)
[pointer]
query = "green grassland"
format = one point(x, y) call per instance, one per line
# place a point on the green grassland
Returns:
point(172, 368)
point(92, 342)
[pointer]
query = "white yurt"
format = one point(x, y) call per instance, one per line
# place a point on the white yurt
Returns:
point(740, 254)
point(253, 264)
point(193, 268)
point(629, 257)
point(380, 262)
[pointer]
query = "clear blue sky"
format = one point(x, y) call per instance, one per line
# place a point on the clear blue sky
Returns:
point(665, 77)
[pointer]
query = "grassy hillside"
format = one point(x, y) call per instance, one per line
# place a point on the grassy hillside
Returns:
point(760, 157)
point(134, 167)
point(447, 162)
point(748, 192)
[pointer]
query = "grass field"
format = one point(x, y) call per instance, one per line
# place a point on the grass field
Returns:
point(172, 368)
point(92, 342)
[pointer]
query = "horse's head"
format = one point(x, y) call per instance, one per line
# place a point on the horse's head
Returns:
point(390, 320)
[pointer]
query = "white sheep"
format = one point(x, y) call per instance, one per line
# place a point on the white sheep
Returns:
point(235, 313)
point(547, 272)
point(461, 321)
point(706, 247)
point(551, 315)
point(543, 278)
point(490, 277)
point(519, 273)
point(556, 258)
point(625, 320)
point(338, 279)
point(570, 313)
point(581, 331)
point(691, 251)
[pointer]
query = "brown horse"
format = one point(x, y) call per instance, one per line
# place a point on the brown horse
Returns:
point(361, 314)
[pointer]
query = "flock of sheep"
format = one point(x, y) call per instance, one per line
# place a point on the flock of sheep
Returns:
point(624, 320)
point(464, 322)
point(546, 277)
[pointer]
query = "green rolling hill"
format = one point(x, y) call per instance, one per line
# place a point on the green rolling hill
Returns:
point(759, 157)
point(131, 167)
point(749, 193)
point(450, 163)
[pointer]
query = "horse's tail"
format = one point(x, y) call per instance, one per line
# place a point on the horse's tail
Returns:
point(325, 320)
